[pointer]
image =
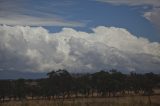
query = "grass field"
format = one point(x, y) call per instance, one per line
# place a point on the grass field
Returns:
point(116, 101)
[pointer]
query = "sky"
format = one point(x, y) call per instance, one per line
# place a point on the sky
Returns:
point(79, 35)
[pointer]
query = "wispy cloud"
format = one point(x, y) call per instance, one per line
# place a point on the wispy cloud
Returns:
point(38, 21)
point(154, 16)
point(154, 3)
point(21, 12)
point(151, 15)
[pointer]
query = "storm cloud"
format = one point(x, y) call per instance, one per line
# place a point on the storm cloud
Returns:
point(35, 49)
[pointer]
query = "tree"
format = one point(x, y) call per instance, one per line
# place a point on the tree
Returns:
point(20, 89)
point(100, 82)
point(5, 89)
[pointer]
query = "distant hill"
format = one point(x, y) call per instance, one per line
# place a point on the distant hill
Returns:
point(16, 74)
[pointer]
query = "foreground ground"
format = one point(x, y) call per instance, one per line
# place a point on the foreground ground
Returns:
point(116, 101)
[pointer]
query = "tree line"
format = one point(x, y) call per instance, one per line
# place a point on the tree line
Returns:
point(62, 84)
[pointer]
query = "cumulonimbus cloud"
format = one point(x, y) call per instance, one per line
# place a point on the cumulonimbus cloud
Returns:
point(35, 49)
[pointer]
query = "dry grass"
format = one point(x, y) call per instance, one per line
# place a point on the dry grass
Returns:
point(117, 101)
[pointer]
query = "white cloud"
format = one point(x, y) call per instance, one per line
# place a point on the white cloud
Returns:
point(35, 49)
point(151, 15)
